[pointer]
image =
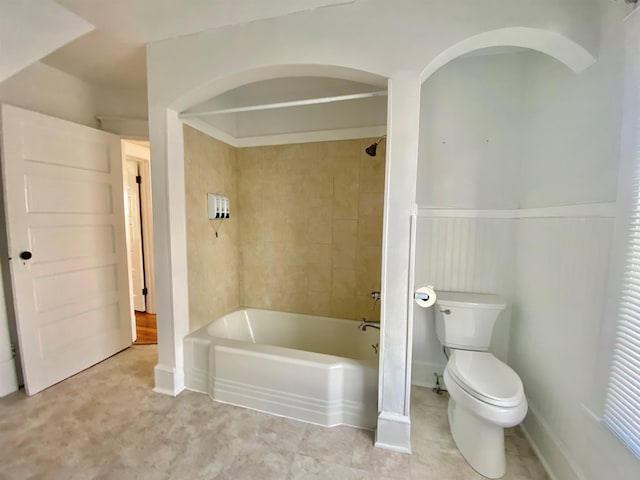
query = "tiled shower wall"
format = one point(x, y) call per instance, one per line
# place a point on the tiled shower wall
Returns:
point(213, 262)
point(311, 227)
point(305, 233)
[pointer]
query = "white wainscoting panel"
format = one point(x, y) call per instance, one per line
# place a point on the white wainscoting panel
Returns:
point(561, 268)
point(465, 255)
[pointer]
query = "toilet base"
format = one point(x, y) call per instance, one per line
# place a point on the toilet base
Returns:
point(480, 442)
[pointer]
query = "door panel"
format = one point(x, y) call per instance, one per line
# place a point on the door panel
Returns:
point(61, 195)
point(52, 245)
point(64, 204)
point(134, 230)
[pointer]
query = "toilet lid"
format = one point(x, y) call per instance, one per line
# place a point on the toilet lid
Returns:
point(486, 378)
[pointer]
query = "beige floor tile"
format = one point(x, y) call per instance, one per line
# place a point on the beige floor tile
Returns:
point(439, 464)
point(516, 443)
point(106, 422)
point(376, 460)
point(332, 445)
point(310, 468)
point(259, 463)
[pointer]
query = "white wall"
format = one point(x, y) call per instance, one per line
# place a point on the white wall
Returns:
point(573, 129)
point(471, 132)
point(571, 157)
point(561, 275)
point(30, 30)
point(123, 111)
point(44, 89)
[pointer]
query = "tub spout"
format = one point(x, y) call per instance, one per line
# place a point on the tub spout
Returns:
point(363, 326)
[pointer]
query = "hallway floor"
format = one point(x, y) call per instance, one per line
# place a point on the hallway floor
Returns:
point(146, 329)
point(107, 423)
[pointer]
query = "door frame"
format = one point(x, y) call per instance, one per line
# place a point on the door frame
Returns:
point(142, 155)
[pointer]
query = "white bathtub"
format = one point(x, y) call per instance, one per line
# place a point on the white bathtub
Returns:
point(315, 369)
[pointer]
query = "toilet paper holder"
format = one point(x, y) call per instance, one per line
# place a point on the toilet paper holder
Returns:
point(425, 296)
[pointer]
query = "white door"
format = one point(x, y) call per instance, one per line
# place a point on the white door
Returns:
point(134, 232)
point(65, 225)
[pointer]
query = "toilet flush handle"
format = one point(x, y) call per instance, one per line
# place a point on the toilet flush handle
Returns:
point(446, 311)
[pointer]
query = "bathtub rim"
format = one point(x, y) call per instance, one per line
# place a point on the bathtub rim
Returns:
point(301, 356)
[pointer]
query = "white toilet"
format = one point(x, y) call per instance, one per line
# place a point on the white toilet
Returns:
point(485, 395)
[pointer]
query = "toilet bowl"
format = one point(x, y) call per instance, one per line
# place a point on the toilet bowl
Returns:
point(486, 396)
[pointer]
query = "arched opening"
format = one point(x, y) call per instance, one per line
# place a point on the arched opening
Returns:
point(304, 232)
point(558, 46)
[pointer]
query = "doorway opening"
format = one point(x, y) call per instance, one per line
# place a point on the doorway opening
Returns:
point(139, 224)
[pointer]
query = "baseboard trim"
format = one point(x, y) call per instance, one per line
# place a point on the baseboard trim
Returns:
point(8, 378)
point(422, 373)
point(168, 381)
point(550, 450)
point(393, 432)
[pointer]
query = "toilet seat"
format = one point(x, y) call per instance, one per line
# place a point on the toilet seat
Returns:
point(486, 378)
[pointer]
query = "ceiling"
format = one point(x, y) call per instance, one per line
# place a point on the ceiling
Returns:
point(113, 54)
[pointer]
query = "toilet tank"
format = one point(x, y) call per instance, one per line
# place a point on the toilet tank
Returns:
point(465, 320)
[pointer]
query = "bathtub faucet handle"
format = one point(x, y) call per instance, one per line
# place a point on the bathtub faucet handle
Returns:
point(375, 295)
point(365, 323)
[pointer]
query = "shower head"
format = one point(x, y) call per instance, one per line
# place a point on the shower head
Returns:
point(371, 149)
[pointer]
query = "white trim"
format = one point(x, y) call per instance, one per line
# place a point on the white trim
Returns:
point(134, 150)
point(143, 156)
point(554, 44)
point(286, 138)
point(168, 381)
point(607, 210)
point(8, 377)
point(125, 126)
point(589, 210)
point(120, 118)
point(292, 103)
point(465, 213)
point(212, 131)
point(396, 431)
point(631, 14)
point(551, 452)
point(314, 136)
point(422, 373)
point(413, 222)
point(125, 188)
point(147, 233)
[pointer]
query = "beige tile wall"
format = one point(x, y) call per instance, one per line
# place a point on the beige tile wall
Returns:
point(310, 227)
point(213, 263)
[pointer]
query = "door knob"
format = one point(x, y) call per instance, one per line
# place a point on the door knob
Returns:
point(25, 255)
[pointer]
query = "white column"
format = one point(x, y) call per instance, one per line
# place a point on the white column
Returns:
point(170, 248)
point(394, 425)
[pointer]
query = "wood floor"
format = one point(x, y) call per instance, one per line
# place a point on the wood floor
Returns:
point(146, 329)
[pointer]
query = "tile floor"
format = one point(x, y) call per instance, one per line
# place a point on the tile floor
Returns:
point(106, 423)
